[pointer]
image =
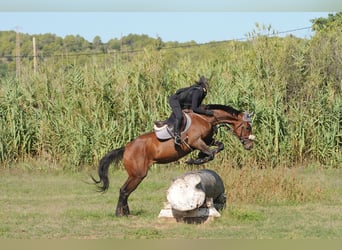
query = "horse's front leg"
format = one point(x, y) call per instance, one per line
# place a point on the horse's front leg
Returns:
point(205, 152)
point(203, 157)
point(219, 145)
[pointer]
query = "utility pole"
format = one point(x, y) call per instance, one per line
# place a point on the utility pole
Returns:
point(121, 43)
point(121, 47)
point(35, 64)
point(17, 51)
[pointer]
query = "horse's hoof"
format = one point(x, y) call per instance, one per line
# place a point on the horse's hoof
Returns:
point(122, 211)
point(197, 161)
point(190, 161)
point(121, 214)
point(200, 161)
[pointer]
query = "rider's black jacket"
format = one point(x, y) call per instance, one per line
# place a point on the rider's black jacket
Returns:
point(190, 98)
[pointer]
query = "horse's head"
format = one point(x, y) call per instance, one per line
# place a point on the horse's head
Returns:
point(240, 122)
point(243, 130)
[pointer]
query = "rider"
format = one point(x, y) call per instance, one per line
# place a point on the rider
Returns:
point(188, 98)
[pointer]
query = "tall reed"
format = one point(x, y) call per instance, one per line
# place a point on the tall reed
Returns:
point(75, 110)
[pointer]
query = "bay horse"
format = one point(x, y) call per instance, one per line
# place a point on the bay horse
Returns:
point(145, 150)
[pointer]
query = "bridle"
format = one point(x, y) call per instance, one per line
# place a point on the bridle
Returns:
point(243, 138)
point(246, 118)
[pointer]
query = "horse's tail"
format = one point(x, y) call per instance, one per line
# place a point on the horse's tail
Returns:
point(115, 155)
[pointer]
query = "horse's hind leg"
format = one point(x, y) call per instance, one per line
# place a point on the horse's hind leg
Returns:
point(136, 163)
point(127, 188)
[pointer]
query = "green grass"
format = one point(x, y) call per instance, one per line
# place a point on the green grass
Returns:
point(61, 205)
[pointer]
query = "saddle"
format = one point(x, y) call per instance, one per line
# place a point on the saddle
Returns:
point(164, 129)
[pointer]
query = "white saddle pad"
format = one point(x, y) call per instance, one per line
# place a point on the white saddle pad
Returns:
point(163, 133)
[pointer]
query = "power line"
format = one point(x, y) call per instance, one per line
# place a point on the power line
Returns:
point(294, 30)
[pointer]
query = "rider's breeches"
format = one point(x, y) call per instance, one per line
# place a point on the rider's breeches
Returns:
point(177, 111)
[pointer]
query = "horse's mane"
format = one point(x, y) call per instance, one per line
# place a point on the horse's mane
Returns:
point(228, 109)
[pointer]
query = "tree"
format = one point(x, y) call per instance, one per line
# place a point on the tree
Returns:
point(49, 44)
point(114, 44)
point(159, 43)
point(325, 52)
point(97, 44)
point(75, 43)
point(332, 21)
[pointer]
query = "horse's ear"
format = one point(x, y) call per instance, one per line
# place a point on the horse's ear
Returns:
point(247, 116)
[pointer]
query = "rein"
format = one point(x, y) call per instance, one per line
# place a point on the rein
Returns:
point(241, 138)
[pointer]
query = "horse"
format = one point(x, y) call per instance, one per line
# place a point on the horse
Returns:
point(143, 151)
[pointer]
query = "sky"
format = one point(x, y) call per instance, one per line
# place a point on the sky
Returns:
point(183, 26)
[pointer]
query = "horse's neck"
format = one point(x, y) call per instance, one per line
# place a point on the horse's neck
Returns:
point(221, 117)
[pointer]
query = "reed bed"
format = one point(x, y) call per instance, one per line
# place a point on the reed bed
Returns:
point(74, 110)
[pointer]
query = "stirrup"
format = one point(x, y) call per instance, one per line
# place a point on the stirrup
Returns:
point(178, 140)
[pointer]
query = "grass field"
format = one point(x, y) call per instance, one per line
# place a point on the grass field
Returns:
point(56, 124)
point(60, 205)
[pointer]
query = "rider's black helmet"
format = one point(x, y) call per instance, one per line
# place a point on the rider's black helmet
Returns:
point(203, 81)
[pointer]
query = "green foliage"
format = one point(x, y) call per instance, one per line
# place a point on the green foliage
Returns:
point(333, 21)
point(76, 108)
